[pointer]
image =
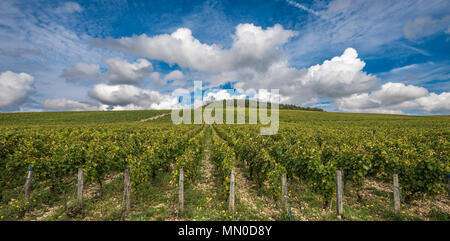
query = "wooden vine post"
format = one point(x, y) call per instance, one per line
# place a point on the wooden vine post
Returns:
point(27, 186)
point(396, 194)
point(284, 193)
point(181, 191)
point(448, 185)
point(127, 189)
point(339, 194)
point(231, 198)
point(80, 187)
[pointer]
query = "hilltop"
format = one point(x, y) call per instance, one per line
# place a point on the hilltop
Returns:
point(269, 104)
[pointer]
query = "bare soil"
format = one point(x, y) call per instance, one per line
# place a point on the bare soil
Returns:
point(154, 117)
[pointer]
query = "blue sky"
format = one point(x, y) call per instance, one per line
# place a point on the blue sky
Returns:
point(342, 55)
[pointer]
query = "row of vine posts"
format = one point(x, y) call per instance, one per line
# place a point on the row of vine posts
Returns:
point(231, 200)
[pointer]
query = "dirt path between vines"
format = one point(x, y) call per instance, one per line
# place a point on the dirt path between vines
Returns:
point(206, 183)
point(89, 192)
point(247, 194)
point(154, 117)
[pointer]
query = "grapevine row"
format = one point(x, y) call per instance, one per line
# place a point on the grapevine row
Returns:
point(313, 155)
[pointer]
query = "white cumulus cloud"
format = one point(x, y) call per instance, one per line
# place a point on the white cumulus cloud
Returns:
point(396, 98)
point(15, 89)
point(252, 46)
point(341, 76)
point(131, 97)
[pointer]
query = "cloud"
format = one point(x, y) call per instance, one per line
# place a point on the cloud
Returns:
point(67, 8)
point(339, 79)
point(81, 72)
point(15, 89)
point(39, 42)
point(239, 94)
point(119, 72)
point(277, 76)
point(404, 68)
point(433, 76)
point(20, 52)
point(70, 105)
point(396, 98)
point(256, 60)
point(122, 72)
point(131, 97)
point(157, 80)
point(300, 6)
point(176, 78)
point(257, 48)
point(425, 26)
point(375, 28)
point(395, 93)
point(174, 75)
point(341, 76)
point(435, 103)
point(221, 95)
point(252, 47)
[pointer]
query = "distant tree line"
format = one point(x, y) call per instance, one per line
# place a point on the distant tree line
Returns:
point(295, 107)
point(269, 105)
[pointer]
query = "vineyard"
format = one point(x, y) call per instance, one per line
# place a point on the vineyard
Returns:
point(105, 149)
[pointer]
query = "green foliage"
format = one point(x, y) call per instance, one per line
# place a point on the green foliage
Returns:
point(224, 158)
point(189, 159)
point(313, 151)
point(253, 150)
point(56, 153)
point(309, 145)
point(76, 117)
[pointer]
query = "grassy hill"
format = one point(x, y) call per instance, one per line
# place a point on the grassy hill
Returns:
point(75, 117)
point(286, 116)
